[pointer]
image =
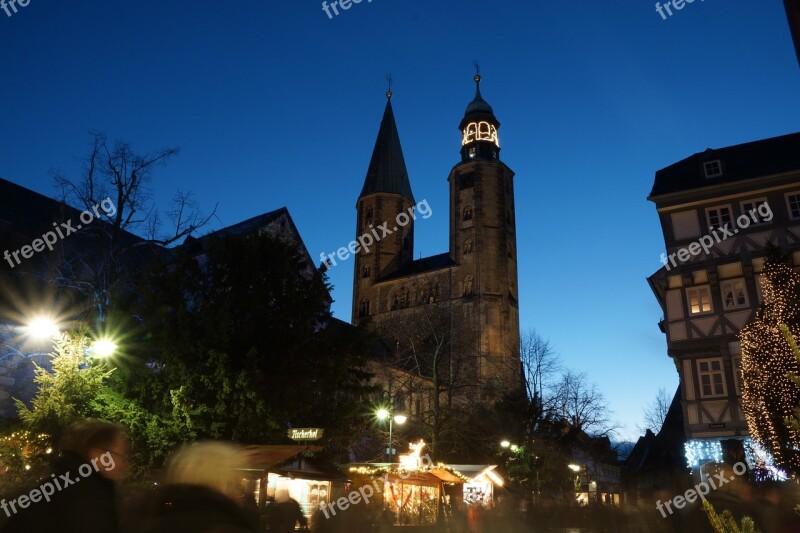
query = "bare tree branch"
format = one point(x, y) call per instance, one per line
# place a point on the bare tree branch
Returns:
point(656, 411)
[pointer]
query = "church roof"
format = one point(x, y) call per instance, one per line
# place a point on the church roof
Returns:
point(740, 162)
point(425, 264)
point(387, 169)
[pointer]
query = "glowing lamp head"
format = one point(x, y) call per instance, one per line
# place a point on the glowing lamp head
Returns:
point(400, 419)
point(574, 468)
point(382, 414)
point(104, 348)
point(505, 444)
point(43, 328)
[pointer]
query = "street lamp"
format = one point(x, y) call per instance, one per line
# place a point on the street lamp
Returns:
point(399, 419)
point(103, 348)
point(505, 444)
point(43, 328)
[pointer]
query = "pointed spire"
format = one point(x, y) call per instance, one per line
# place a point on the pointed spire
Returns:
point(387, 168)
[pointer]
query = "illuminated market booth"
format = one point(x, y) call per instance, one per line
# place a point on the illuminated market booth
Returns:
point(480, 484)
point(275, 468)
point(416, 492)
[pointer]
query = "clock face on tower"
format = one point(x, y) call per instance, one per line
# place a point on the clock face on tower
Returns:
point(480, 131)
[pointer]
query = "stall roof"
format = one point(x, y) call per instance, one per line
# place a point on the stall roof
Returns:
point(265, 456)
point(311, 469)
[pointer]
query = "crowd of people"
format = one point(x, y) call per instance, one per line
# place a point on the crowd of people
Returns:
point(201, 491)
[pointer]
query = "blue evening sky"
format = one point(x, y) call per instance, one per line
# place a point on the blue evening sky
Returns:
point(274, 104)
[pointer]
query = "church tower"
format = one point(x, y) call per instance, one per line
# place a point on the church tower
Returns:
point(386, 194)
point(483, 240)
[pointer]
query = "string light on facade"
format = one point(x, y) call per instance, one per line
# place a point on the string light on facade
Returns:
point(769, 397)
point(702, 451)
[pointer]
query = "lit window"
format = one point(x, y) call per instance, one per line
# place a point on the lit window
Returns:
point(719, 216)
point(699, 300)
point(734, 294)
point(467, 213)
point(675, 282)
point(793, 200)
point(712, 380)
point(713, 169)
point(472, 152)
point(467, 247)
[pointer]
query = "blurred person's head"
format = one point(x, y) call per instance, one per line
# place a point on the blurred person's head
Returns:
point(282, 495)
point(208, 464)
point(101, 444)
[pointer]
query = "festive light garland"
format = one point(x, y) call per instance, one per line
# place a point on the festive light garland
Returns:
point(392, 470)
point(769, 397)
point(702, 451)
point(20, 447)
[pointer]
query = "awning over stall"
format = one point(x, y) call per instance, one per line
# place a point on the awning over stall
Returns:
point(266, 456)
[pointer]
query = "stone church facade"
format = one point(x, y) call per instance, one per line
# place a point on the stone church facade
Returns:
point(475, 283)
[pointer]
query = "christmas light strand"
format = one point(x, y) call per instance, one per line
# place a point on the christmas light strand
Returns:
point(769, 396)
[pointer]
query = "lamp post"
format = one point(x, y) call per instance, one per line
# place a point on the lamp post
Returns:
point(577, 468)
point(400, 419)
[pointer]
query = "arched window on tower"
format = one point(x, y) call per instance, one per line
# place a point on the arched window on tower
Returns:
point(364, 310)
point(369, 212)
point(468, 213)
point(365, 272)
point(467, 247)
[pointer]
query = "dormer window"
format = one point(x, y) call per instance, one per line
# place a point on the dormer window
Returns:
point(713, 169)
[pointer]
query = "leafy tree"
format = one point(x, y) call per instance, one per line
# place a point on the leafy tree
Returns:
point(66, 394)
point(152, 436)
point(725, 523)
point(769, 395)
point(237, 342)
